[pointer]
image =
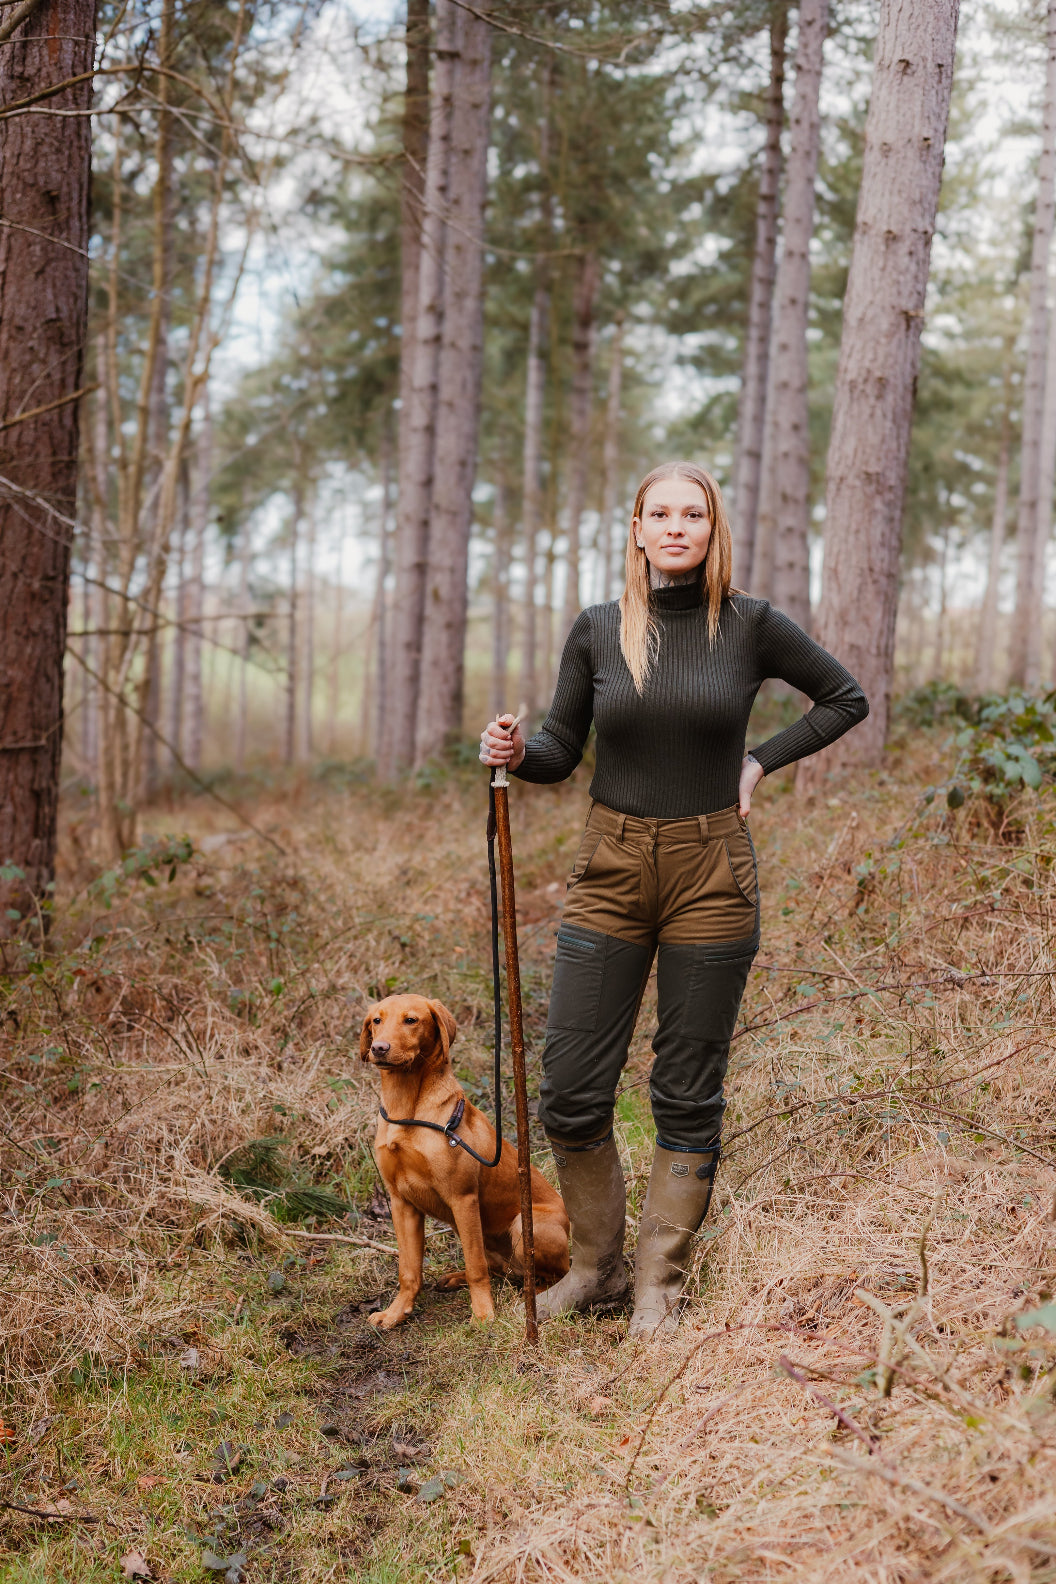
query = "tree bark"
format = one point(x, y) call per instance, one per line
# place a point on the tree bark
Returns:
point(307, 743)
point(440, 689)
point(584, 297)
point(987, 642)
point(178, 677)
point(940, 620)
point(1025, 656)
point(96, 604)
point(762, 585)
point(421, 352)
point(879, 356)
point(289, 746)
point(500, 598)
point(791, 414)
point(44, 178)
point(608, 540)
point(415, 154)
point(244, 555)
point(535, 380)
point(381, 644)
point(1036, 667)
point(195, 698)
point(751, 413)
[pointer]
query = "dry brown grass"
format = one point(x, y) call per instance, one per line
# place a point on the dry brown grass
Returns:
point(850, 1396)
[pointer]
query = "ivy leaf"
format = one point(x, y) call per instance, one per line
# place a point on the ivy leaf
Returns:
point(1044, 1317)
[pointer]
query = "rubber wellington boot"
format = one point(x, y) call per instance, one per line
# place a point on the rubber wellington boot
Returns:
point(675, 1206)
point(595, 1196)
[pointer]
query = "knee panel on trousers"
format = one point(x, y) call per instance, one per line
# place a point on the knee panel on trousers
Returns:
point(699, 990)
point(597, 989)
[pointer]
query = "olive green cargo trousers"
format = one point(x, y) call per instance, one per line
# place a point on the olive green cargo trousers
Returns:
point(685, 891)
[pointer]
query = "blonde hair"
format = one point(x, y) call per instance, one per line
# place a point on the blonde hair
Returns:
point(639, 633)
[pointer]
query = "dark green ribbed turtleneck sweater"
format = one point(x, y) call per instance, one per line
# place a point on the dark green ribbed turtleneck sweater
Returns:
point(676, 751)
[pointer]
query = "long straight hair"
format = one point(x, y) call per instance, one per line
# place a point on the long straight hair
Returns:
point(639, 633)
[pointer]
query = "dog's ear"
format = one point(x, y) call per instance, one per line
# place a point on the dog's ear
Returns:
point(445, 1023)
point(366, 1036)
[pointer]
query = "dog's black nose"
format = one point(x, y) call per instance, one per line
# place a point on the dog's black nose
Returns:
point(380, 1048)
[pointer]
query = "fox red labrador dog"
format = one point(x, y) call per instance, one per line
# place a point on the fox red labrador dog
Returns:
point(408, 1039)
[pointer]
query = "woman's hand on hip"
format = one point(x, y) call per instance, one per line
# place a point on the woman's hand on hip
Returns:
point(501, 743)
point(752, 773)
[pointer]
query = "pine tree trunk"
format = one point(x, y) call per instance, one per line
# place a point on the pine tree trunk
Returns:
point(762, 585)
point(500, 599)
point(879, 355)
point(1025, 657)
point(381, 647)
point(940, 621)
point(987, 641)
point(609, 539)
point(308, 625)
point(791, 415)
point(44, 179)
point(1043, 525)
point(415, 154)
point(336, 646)
point(586, 292)
point(751, 413)
point(178, 679)
point(195, 701)
point(97, 603)
point(244, 554)
point(289, 747)
point(421, 355)
point(439, 719)
point(535, 381)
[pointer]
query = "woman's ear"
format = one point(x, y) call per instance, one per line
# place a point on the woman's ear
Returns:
point(366, 1037)
point(445, 1023)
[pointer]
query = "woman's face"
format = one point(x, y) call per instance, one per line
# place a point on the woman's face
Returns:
point(675, 525)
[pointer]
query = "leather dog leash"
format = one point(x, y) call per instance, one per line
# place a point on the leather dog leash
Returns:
point(454, 1121)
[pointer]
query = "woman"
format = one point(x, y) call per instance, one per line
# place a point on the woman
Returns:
point(666, 866)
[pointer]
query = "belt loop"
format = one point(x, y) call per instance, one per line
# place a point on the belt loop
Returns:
point(703, 822)
point(621, 820)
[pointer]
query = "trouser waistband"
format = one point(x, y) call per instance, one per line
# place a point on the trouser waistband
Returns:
point(676, 832)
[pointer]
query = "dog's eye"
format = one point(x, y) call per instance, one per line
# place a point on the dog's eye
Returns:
point(410, 1020)
point(377, 1020)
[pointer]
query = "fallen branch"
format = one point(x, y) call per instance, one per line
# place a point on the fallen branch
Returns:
point(37, 1512)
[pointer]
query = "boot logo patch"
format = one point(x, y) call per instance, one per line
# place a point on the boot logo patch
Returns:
point(679, 1170)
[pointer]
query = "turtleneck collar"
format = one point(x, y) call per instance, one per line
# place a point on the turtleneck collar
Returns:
point(677, 596)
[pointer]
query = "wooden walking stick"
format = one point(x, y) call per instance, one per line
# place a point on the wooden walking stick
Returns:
point(499, 792)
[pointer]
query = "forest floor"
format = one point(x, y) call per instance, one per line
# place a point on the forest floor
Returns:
point(862, 1388)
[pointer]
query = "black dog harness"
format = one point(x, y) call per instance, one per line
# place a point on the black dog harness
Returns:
point(450, 1128)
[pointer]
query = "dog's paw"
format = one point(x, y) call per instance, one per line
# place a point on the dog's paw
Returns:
point(388, 1318)
point(453, 1279)
point(484, 1314)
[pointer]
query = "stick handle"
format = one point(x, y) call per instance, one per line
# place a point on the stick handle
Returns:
point(520, 1078)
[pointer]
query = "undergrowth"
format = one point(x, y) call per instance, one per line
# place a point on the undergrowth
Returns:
point(863, 1385)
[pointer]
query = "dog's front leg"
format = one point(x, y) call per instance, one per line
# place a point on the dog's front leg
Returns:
point(466, 1211)
point(409, 1225)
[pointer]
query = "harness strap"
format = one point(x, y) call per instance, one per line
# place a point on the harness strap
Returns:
point(448, 1129)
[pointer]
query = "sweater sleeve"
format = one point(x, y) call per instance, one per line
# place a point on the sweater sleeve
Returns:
point(555, 751)
point(784, 650)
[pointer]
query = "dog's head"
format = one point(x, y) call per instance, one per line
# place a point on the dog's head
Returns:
point(406, 1031)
